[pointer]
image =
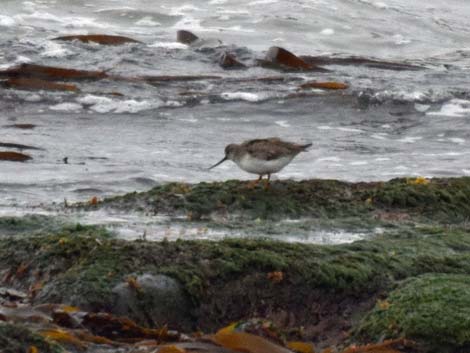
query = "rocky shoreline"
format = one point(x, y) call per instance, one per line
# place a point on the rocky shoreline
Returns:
point(408, 283)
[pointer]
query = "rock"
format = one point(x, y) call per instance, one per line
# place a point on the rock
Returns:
point(186, 37)
point(154, 300)
point(38, 84)
point(283, 58)
point(100, 39)
point(14, 156)
point(228, 61)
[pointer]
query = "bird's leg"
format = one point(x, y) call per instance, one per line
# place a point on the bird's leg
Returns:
point(266, 182)
point(252, 184)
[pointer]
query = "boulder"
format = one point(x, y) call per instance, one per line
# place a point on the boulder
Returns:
point(153, 300)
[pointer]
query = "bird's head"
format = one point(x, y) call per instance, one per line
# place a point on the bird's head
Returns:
point(230, 152)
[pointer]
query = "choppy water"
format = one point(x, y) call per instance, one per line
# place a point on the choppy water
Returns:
point(388, 124)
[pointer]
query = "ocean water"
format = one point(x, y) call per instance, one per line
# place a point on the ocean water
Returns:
point(387, 124)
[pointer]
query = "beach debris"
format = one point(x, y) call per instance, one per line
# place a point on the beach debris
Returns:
point(20, 126)
point(14, 156)
point(103, 39)
point(51, 73)
point(324, 85)
point(284, 59)
point(38, 84)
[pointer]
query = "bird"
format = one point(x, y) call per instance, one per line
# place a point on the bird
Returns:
point(262, 156)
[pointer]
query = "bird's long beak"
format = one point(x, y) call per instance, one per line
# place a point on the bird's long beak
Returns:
point(222, 161)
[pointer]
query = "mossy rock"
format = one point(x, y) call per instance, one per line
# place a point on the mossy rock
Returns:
point(445, 200)
point(18, 339)
point(433, 309)
point(229, 280)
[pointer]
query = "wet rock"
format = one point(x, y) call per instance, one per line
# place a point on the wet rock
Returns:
point(14, 156)
point(280, 57)
point(186, 37)
point(324, 85)
point(228, 61)
point(51, 73)
point(154, 300)
point(100, 39)
point(38, 84)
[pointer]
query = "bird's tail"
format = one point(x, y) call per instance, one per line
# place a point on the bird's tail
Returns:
point(304, 147)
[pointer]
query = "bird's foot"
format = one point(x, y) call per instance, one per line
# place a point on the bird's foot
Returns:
point(252, 184)
point(267, 184)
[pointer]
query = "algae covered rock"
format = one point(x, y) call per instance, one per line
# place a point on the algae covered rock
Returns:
point(153, 300)
point(437, 200)
point(432, 309)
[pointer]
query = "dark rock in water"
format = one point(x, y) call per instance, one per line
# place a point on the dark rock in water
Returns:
point(186, 37)
point(100, 39)
point(228, 61)
point(153, 300)
point(38, 84)
point(21, 126)
point(51, 73)
point(357, 60)
point(18, 146)
point(283, 58)
point(14, 156)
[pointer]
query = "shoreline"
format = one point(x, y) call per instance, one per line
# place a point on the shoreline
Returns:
point(330, 296)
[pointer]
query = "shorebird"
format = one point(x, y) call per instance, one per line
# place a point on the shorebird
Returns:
point(262, 156)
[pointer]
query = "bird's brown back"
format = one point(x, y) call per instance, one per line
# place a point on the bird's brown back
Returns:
point(271, 148)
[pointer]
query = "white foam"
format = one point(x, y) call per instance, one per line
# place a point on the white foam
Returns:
point(169, 45)
point(421, 107)
point(102, 105)
point(147, 21)
point(410, 139)
point(246, 96)
point(359, 163)
point(328, 31)
point(282, 123)
point(55, 50)
point(329, 159)
point(66, 107)
point(457, 140)
point(262, 2)
point(349, 129)
point(6, 21)
point(400, 39)
point(379, 136)
point(324, 127)
point(454, 108)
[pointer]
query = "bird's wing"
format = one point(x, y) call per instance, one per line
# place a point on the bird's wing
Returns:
point(270, 148)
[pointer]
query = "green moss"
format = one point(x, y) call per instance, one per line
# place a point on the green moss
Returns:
point(433, 309)
point(18, 339)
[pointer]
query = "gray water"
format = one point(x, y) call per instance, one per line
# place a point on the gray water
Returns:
point(387, 124)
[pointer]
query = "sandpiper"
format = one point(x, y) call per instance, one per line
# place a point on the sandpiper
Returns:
point(262, 156)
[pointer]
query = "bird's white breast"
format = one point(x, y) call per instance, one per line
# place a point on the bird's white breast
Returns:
point(262, 167)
